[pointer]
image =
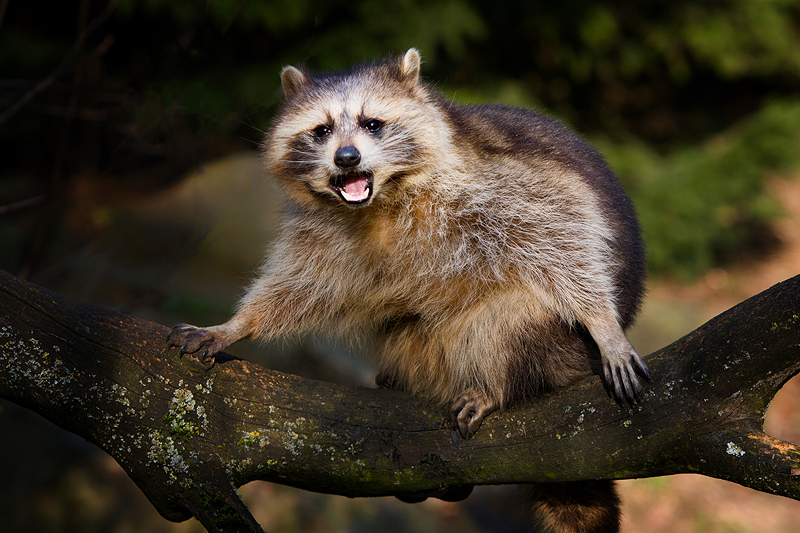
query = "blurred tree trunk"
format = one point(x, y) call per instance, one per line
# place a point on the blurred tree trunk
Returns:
point(189, 435)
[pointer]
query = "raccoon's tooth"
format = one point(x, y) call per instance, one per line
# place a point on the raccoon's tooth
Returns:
point(356, 187)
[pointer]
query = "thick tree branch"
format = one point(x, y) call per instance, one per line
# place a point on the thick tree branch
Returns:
point(189, 436)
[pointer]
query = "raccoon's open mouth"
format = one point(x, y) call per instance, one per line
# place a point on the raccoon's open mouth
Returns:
point(354, 188)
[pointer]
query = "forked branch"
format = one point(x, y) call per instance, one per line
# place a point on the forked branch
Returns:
point(189, 436)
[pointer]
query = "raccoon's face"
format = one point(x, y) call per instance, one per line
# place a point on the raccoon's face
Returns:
point(354, 138)
point(345, 152)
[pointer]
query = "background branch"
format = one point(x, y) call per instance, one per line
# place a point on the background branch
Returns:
point(67, 62)
point(189, 436)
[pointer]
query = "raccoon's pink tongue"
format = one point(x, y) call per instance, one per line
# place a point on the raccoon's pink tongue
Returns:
point(355, 188)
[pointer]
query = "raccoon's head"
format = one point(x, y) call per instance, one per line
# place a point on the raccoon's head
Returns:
point(355, 138)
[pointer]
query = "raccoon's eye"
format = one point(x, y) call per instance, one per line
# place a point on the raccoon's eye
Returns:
point(321, 131)
point(373, 125)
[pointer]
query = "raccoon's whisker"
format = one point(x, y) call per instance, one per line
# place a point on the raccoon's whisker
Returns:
point(487, 250)
point(249, 123)
point(251, 141)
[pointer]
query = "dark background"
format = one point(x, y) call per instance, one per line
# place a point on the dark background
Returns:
point(129, 178)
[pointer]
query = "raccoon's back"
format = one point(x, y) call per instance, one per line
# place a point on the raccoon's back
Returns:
point(503, 136)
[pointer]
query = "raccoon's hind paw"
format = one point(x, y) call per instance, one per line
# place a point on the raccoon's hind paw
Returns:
point(191, 339)
point(622, 376)
point(469, 410)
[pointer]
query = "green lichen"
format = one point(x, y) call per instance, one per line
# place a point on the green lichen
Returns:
point(224, 515)
point(790, 323)
point(253, 439)
point(29, 361)
point(164, 453)
point(734, 449)
point(180, 427)
point(182, 408)
point(290, 436)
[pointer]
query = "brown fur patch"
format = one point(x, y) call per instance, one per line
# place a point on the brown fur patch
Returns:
point(494, 252)
point(582, 507)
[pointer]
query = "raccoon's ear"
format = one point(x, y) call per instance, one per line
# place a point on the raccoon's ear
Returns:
point(409, 66)
point(292, 80)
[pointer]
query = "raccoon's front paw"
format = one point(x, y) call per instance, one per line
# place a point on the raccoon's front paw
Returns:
point(622, 372)
point(469, 410)
point(191, 339)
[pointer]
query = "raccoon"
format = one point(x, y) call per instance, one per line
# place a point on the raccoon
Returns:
point(488, 252)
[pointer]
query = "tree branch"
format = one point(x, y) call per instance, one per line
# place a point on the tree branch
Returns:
point(189, 436)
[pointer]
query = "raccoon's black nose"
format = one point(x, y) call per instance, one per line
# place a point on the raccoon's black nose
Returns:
point(347, 157)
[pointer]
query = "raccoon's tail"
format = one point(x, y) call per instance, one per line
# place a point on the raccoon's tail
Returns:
point(581, 507)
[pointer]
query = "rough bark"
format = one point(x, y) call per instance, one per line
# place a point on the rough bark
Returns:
point(188, 435)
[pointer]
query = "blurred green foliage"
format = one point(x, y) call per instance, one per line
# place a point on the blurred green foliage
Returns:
point(694, 103)
point(699, 205)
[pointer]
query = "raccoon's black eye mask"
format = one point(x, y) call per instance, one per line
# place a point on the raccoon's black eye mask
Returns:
point(354, 188)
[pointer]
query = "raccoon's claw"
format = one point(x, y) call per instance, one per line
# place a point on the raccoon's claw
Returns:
point(469, 410)
point(621, 377)
point(191, 339)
